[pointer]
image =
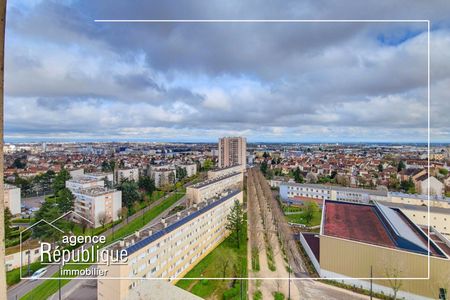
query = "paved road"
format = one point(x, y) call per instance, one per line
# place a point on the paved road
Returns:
point(25, 285)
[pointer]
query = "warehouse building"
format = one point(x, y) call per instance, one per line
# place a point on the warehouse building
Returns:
point(358, 242)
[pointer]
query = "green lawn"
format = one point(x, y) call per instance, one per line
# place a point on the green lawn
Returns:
point(212, 266)
point(299, 218)
point(49, 287)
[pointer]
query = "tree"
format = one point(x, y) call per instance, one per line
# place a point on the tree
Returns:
point(136, 206)
point(310, 211)
point(130, 193)
point(124, 213)
point(393, 275)
point(263, 167)
point(171, 178)
point(235, 221)
point(65, 200)
point(208, 164)
point(298, 175)
point(50, 211)
point(102, 219)
point(266, 155)
point(7, 223)
point(147, 184)
point(59, 182)
point(401, 166)
point(19, 163)
point(380, 167)
point(443, 171)
point(181, 173)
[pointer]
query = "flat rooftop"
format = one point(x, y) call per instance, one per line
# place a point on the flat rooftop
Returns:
point(7, 186)
point(94, 191)
point(355, 222)
point(376, 225)
point(211, 181)
point(83, 179)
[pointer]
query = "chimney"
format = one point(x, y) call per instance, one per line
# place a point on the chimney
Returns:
point(137, 233)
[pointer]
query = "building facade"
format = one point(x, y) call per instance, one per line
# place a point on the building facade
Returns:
point(358, 241)
point(213, 187)
point(232, 151)
point(98, 204)
point(131, 174)
point(169, 249)
point(224, 171)
point(12, 198)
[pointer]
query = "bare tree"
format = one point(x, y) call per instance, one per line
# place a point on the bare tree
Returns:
point(102, 219)
point(393, 274)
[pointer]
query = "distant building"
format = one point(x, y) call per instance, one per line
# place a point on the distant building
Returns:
point(232, 151)
point(76, 173)
point(162, 175)
point(96, 202)
point(296, 192)
point(191, 169)
point(213, 187)
point(108, 177)
point(12, 198)
point(224, 171)
point(130, 174)
point(84, 182)
point(436, 187)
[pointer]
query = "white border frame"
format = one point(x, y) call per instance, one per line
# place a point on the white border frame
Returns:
point(428, 22)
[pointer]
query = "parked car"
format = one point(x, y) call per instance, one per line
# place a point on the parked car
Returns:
point(38, 274)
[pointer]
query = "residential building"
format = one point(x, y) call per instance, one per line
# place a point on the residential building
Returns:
point(84, 182)
point(98, 202)
point(360, 241)
point(12, 198)
point(213, 187)
point(297, 192)
point(232, 151)
point(219, 172)
point(76, 173)
point(170, 248)
point(436, 187)
point(163, 175)
point(191, 169)
point(130, 174)
point(108, 178)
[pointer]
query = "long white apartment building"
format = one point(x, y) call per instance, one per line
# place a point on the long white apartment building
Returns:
point(130, 174)
point(298, 191)
point(170, 248)
point(224, 171)
point(12, 198)
point(97, 202)
point(213, 187)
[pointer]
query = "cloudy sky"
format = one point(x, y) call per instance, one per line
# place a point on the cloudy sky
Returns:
point(70, 78)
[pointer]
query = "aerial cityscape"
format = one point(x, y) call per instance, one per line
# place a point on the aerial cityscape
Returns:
point(225, 150)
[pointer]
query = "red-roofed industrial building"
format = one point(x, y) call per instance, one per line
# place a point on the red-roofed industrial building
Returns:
point(357, 238)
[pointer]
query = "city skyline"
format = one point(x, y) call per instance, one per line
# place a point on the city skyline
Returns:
point(341, 82)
